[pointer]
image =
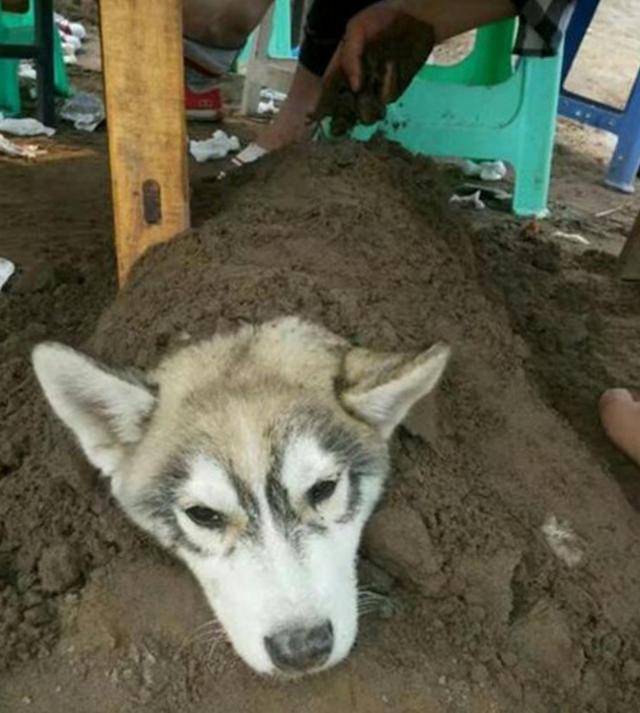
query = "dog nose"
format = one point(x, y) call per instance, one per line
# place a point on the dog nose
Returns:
point(300, 649)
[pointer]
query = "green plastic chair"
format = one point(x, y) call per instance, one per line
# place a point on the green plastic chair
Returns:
point(280, 41)
point(19, 29)
point(487, 107)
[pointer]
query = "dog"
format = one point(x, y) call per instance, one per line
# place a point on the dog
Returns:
point(256, 458)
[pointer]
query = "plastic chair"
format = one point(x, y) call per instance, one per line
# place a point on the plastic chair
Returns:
point(484, 108)
point(270, 56)
point(625, 123)
point(19, 29)
point(280, 43)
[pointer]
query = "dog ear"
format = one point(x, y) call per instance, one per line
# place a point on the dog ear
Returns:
point(381, 388)
point(105, 410)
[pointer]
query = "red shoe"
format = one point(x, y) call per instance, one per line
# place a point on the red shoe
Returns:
point(202, 96)
point(203, 104)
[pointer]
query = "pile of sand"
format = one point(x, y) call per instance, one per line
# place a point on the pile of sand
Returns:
point(506, 547)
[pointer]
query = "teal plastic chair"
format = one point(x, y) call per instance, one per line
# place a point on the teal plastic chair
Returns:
point(487, 107)
point(280, 43)
point(19, 29)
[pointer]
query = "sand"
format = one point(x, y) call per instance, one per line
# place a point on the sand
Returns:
point(505, 548)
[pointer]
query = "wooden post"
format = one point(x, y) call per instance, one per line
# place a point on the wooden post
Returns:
point(629, 260)
point(144, 93)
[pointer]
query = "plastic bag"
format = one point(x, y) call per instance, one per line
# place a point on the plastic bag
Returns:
point(85, 111)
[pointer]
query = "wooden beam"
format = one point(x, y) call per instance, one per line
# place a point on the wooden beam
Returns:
point(629, 260)
point(144, 93)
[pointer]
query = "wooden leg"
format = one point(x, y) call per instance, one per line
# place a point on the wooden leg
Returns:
point(144, 93)
point(629, 260)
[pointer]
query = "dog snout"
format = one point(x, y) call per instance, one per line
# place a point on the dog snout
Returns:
point(300, 649)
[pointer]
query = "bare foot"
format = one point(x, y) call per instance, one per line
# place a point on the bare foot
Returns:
point(620, 415)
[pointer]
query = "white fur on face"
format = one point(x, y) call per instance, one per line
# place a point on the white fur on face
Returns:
point(281, 559)
point(280, 579)
point(207, 485)
point(306, 463)
point(104, 410)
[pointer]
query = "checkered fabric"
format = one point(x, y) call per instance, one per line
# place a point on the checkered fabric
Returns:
point(542, 26)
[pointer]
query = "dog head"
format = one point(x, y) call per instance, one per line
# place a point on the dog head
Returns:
point(256, 458)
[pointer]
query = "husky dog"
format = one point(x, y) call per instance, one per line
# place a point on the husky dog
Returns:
point(257, 458)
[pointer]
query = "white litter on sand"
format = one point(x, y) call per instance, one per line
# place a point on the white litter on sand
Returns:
point(72, 35)
point(571, 237)
point(270, 101)
point(272, 95)
point(84, 110)
point(26, 70)
point(484, 170)
point(563, 541)
point(610, 211)
point(218, 146)
point(73, 42)
point(9, 148)
point(7, 268)
point(25, 127)
point(69, 56)
point(75, 29)
point(471, 201)
point(267, 107)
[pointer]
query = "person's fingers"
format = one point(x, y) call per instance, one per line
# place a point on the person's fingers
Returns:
point(333, 83)
point(333, 67)
point(332, 88)
point(345, 116)
point(389, 84)
point(366, 74)
point(351, 57)
point(370, 108)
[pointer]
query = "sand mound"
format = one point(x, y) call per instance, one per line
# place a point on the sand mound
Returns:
point(506, 550)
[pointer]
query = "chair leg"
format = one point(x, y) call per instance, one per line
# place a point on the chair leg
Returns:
point(536, 136)
point(257, 60)
point(144, 91)
point(625, 163)
point(531, 191)
point(44, 64)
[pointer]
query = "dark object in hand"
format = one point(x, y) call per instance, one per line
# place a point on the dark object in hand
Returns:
point(387, 65)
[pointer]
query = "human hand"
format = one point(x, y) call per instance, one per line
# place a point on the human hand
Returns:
point(382, 50)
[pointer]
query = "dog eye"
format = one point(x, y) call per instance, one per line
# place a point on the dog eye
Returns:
point(206, 517)
point(321, 491)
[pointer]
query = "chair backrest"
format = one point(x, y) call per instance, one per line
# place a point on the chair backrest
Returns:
point(11, 19)
point(489, 62)
point(280, 44)
point(18, 28)
point(281, 39)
